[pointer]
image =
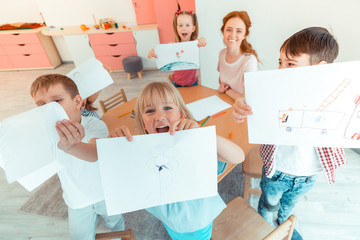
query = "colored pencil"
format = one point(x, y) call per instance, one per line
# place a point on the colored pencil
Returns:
point(124, 114)
point(204, 121)
point(230, 135)
point(218, 114)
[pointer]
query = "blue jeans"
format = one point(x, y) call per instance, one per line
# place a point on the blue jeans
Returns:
point(281, 193)
point(83, 221)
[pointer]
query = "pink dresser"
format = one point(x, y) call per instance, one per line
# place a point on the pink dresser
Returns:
point(26, 49)
point(112, 48)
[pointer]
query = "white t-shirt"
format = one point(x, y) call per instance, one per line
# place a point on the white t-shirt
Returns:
point(297, 160)
point(80, 180)
point(233, 73)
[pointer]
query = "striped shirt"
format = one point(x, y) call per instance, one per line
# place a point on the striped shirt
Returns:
point(330, 159)
point(233, 73)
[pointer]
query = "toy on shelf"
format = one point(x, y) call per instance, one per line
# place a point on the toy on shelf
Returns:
point(84, 27)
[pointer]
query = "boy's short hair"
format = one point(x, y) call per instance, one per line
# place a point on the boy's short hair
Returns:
point(318, 42)
point(48, 80)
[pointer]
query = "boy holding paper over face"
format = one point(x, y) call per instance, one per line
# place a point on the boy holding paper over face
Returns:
point(80, 176)
point(291, 171)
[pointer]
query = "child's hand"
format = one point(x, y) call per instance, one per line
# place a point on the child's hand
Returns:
point(70, 132)
point(241, 110)
point(202, 42)
point(223, 87)
point(152, 54)
point(122, 131)
point(182, 124)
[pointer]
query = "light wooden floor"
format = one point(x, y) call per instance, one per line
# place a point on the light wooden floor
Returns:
point(324, 213)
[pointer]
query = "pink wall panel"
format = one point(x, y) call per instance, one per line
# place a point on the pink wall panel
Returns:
point(145, 11)
point(165, 10)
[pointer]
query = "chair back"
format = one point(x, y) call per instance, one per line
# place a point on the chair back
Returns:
point(239, 221)
point(284, 231)
point(113, 101)
point(124, 235)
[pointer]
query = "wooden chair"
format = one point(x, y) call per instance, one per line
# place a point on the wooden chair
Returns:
point(124, 235)
point(240, 221)
point(283, 231)
point(113, 101)
point(252, 168)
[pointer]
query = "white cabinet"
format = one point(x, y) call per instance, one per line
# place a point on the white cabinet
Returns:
point(146, 40)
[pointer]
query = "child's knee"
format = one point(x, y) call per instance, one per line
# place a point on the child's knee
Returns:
point(267, 205)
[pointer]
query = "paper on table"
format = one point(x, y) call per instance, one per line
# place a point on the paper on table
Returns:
point(28, 140)
point(206, 107)
point(90, 77)
point(177, 56)
point(155, 169)
point(314, 106)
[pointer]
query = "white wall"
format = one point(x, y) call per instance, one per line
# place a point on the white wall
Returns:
point(272, 22)
point(19, 11)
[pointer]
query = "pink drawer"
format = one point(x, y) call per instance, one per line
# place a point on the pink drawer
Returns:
point(30, 61)
point(111, 38)
point(115, 62)
point(2, 51)
point(19, 38)
point(23, 48)
point(115, 49)
point(5, 62)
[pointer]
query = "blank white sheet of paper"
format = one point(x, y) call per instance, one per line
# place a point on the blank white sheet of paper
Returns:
point(206, 107)
point(28, 141)
point(156, 169)
point(90, 77)
point(177, 56)
point(312, 106)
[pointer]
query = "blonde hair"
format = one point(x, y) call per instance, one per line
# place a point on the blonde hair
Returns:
point(48, 80)
point(192, 14)
point(163, 91)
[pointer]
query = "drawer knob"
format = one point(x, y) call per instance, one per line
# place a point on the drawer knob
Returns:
point(113, 45)
point(116, 56)
point(15, 33)
point(27, 54)
point(109, 33)
point(22, 44)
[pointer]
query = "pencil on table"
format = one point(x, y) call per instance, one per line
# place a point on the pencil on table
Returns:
point(204, 121)
point(218, 114)
point(230, 135)
point(124, 114)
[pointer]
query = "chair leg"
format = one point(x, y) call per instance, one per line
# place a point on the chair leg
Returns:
point(139, 74)
point(246, 187)
point(129, 75)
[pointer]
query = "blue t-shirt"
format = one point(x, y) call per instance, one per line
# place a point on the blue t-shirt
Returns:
point(190, 218)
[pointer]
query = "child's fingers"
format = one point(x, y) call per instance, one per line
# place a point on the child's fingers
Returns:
point(126, 132)
point(122, 131)
point(174, 126)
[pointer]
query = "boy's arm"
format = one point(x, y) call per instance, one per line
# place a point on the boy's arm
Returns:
point(241, 110)
point(71, 133)
point(228, 151)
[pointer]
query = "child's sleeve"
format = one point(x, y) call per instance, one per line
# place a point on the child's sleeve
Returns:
point(96, 129)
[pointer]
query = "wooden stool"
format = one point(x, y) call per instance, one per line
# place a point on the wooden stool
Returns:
point(252, 168)
point(133, 64)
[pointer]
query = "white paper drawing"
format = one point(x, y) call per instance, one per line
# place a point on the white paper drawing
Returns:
point(156, 169)
point(316, 105)
point(206, 107)
point(28, 141)
point(90, 77)
point(177, 56)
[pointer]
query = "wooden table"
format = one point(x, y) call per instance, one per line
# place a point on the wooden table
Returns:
point(224, 123)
